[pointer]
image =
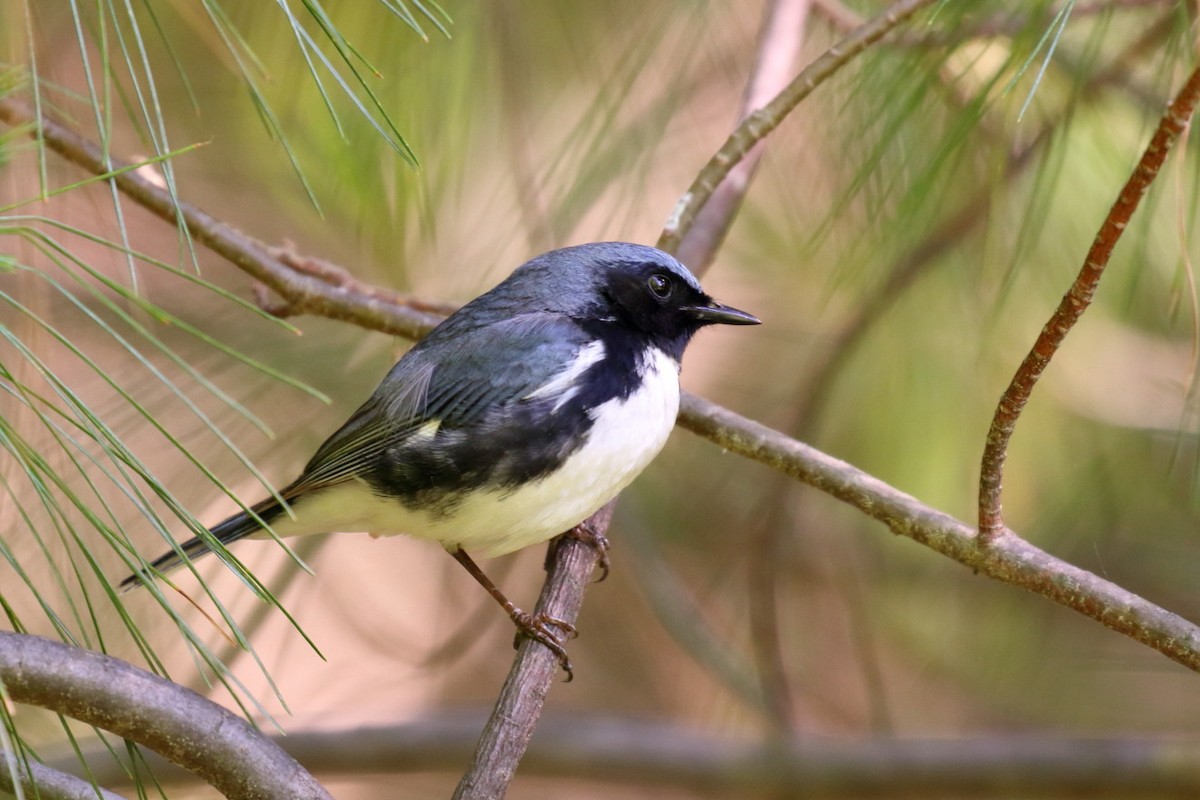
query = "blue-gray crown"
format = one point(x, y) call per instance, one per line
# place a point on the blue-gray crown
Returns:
point(568, 279)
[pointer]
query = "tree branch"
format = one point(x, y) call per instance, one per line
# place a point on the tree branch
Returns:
point(778, 47)
point(1074, 303)
point(759, 124)
point(45, 783)
point(185, 728)
point(1009, 558)
point(1171, 635)
point(304, 287)
point(510, 726)
point(512, 722)
point(616, 751)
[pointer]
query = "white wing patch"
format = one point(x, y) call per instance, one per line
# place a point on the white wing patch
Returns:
point(563, 385)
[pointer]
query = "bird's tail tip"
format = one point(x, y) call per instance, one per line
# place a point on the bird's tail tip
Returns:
point(164, 563)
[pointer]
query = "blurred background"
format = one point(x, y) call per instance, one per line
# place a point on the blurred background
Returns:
point(911, 228)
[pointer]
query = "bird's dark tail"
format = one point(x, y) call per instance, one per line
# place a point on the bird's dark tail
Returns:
point(238, 526)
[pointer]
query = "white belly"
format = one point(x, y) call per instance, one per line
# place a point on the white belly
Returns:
point(625, 437)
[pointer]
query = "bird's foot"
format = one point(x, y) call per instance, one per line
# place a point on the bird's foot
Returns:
point(550, 632)
point(588, 534)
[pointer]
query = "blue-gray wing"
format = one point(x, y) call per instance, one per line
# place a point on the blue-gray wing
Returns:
point(450, 382)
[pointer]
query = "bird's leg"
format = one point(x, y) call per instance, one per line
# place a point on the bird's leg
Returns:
point(536, 626)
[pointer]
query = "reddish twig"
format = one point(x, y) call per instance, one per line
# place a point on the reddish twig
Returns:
point(1011, 559)
point(1073, 304)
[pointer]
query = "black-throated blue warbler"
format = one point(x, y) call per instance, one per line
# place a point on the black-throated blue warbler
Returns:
point(513, 421)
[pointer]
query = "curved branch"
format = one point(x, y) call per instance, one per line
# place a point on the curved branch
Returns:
point(1071, 307)
point(216, 744)
point(759, 124)
point(47, 783)
point(1170, 634)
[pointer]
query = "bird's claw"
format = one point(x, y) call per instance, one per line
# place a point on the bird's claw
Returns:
point(585, 533)
point(550, 632)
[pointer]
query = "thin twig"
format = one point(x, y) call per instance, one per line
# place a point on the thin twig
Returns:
point(1072, 306)
point(778, 47)
point(758, 125)
point(1147, 623)
point(1009, 559)
point(966, 217)
point(780, 40)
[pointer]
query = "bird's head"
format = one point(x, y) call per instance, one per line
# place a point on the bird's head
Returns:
point(635, 286)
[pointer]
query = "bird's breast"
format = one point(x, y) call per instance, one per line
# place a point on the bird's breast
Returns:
point(623, 436)
point(529, 472)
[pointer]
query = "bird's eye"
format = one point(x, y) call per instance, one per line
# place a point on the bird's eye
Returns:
point(659, 284)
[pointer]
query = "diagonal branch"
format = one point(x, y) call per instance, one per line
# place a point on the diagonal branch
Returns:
point(510, 725)
point(1009, 558)
point(304, 288)
point(1074, 303)
point(758, 125)
point(779, 45)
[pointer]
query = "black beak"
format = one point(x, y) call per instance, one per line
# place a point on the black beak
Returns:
point(713, 313)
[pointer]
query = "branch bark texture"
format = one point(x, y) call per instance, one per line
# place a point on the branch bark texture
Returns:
point(303, 287)
point(185, 728)
point(519, 707)
point(1071, 307)
point(513, 719)
point(778, 48)
point(45, 783)
point(1154, 626)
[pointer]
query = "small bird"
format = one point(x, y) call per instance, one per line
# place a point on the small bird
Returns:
point(513, 421)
